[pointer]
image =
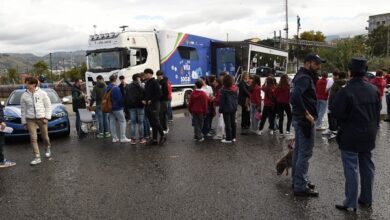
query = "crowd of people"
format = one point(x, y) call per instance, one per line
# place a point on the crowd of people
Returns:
point(351, 101)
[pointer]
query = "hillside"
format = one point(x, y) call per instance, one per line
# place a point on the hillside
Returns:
point(25, 62)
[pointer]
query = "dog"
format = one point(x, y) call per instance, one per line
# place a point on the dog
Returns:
point(285, 163)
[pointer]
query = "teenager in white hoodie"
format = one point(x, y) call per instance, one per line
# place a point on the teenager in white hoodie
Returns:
point(36, 111)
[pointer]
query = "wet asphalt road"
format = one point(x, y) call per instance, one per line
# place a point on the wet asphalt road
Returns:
point(96, 179)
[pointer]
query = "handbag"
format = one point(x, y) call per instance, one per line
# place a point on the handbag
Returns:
point(258, 116)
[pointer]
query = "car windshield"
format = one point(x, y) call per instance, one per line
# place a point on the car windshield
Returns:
point(14, 98)
point(104, 60)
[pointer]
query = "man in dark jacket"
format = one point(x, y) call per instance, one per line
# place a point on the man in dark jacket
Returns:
point(304, 111)
point(78, 102)
point(96, 97)
point(152, 106)
point(357, 109)
point(163, 80)
point(134, 96)
point(3, 162)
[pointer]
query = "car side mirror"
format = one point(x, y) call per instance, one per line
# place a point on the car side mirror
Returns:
point(65, 100)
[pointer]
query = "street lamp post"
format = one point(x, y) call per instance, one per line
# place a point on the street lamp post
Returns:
point(51, 68)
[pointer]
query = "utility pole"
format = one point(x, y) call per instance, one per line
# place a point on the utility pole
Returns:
point(298, 27)
point(227, 37)
point(274, 38)
point(388, 41)
point(286, 28)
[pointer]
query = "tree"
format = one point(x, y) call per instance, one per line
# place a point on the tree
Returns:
point(76, 72)
point(313, 36)
point(344, 51)
point(13, 76)
point(377, 41)
point(40, 68)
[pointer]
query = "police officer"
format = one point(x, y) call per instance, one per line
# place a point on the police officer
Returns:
point(304, 111)
point(357, 110)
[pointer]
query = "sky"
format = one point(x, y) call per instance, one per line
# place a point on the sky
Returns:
point(44, 26)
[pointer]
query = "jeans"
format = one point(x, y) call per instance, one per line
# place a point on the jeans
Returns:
point(268, 112)
point(137, 117)
point(303, 151)
point(163, 115)
point(32, 130)
point(118, 116)
point(230, 125)
point(355, 163)
point(169, 111)
point(245, 117)
point(146, 127)
point(2, 139)
point(208, 120)
point(321, 108)
point(332, 122)
point(102, 119)
point(254, 122)
point(388, 105)
point(197, 122)
point(281, 108)
point(78, 123)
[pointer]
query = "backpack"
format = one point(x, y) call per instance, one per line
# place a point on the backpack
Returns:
point(106, 102)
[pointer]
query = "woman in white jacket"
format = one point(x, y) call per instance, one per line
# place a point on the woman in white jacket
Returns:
point(36, 111)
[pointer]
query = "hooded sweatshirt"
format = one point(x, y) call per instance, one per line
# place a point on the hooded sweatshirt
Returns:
point(255, 95)
point(229, 100)
point(269, 96)
point(116, 97)
point(198, 103)
point(321, 89)
point(97, 93)
point(380, 83)
point(337, 85)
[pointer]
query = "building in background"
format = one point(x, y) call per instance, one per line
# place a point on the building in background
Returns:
point(376, 20)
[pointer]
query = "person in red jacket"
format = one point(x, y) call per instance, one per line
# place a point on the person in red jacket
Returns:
point(322, 99)
point(282, 94)
point(255, 101)
point(198, 107)
point(269, 105)
point(379, 82)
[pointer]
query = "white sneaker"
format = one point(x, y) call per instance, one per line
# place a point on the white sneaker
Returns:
point(287, 132)
point(126, 140)
point(166, 131)
point(259, 132)
point(217, 137)
point(327, 132)
point(36, 161)
point(226, 141)
point(114, 140)
point(48, 153)
point(234, 140)
point(200, 140)
point(271, 132)
point(332, 135)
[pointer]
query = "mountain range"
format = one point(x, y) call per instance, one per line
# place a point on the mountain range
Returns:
point(24, 62)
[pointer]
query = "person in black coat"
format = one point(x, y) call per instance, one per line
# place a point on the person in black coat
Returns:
point(152, 106)
point(228, 107)
point(78, 102)
point(357, 110)
point(243, 100)
point(163, 81)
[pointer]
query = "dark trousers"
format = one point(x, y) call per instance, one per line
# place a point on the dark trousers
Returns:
point(208, 120)
point(354, 164)
point(164, 115)
point(282, 108)
point(197, 122)
point(268, 112)
point(152, 112)
point(332, 122)
point(388, 105)
point(245, 117)
point(1, 147)
point(230, 125)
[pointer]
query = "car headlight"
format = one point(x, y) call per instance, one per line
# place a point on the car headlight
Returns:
point(9, 118)
point(59, 115)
